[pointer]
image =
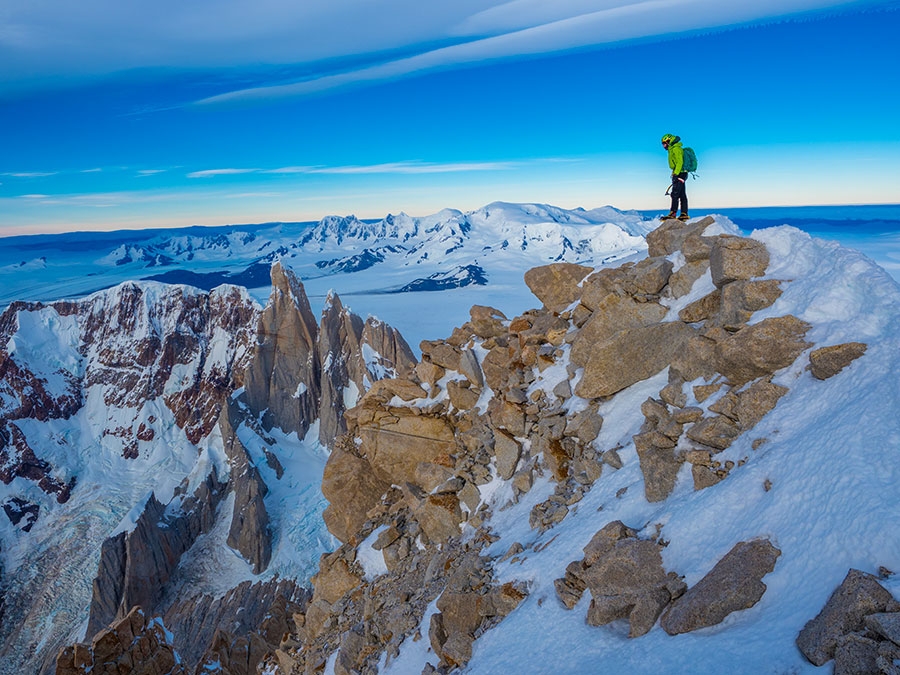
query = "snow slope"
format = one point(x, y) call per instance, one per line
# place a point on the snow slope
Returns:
point(830, 455)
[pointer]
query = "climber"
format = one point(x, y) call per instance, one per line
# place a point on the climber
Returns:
point(672, 143)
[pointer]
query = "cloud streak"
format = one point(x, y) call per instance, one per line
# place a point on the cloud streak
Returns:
point(526, 28)
point(47, 40)
point(406, 167)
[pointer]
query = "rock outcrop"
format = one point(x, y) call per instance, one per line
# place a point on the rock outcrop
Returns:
point(136, 565)
point(625, 577)
point(249, 532)
point(857, 628)
point(133, 644)
point(282, 379)
point(734, 583)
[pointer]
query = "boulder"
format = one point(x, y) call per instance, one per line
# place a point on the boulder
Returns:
point(659, 466)
point(682, 280)
point(487, 322)
point(732, 258)
point(462, 397)
point(629, 582)
point(761, 349)
point(734, 583)
point(716, 432)
point(885, 624)
point(614, 313)
point(334, 578)
point(507, 450)
point(631, 356)
point(441, 354)
point(439, 516)
point(671, 235)
point(395, 444)
point(856, 655)
point(649, 276)
point(741, 298)
point(826, 362)
point(496, 366)
point(557, 285)
point(352, 489)
point(702, 309)
point(858, 596)
point(406, 390)
point(468, 366)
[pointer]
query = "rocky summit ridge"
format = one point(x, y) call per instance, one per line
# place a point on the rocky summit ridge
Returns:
point(584, 482)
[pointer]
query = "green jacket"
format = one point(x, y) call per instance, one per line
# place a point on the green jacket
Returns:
point(676, 157)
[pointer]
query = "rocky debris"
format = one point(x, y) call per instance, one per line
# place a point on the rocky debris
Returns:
point(133, 644)
point(363, 618)
point(844, 630)
point(761, 349)
point(735, 583)
point(735, 258)
point(557, 285)
point(495, 402)
point(625, 577)
point(827, 362)
point(136, 565)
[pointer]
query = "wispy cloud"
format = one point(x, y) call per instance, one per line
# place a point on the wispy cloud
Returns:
point(405, 167)
point(219, 172)
point(51, 41)
point(150, 172)
point(518, 28)
point(30, 174)
point(96, 170)
point(413, 167)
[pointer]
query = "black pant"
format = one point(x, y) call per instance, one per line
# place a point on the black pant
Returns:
point(679, 192)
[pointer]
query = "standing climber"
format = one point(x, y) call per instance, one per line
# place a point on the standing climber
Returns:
point(672, 143)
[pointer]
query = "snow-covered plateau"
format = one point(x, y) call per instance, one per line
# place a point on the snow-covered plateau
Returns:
point(172, 427)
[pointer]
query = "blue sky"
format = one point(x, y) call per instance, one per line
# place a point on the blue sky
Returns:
point(146, 114)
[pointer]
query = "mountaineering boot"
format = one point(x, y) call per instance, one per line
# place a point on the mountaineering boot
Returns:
point(684, 216)
point(670, 214)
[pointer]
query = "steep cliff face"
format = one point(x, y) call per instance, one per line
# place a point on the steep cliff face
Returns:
point(353, 354)
point(282, 379)
point(122, 417)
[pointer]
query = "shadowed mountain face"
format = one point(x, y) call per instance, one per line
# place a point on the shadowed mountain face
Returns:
point(143, 417)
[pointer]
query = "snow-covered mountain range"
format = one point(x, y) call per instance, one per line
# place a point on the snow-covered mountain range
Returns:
point(487, 248)
point(264, 472)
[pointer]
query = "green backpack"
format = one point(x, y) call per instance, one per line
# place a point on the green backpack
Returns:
point(690, 161)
